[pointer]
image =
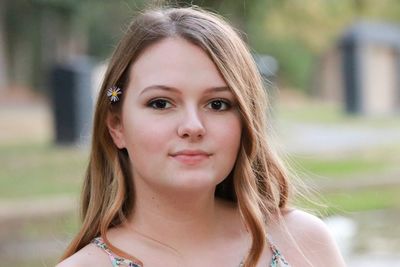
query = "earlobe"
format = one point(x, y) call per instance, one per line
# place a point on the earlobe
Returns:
point(115, 128)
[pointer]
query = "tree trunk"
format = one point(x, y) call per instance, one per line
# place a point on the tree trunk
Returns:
point(3, 56)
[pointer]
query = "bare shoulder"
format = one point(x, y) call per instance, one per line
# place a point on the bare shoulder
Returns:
point(89, 255)
point(306, 237)
point(304, 225)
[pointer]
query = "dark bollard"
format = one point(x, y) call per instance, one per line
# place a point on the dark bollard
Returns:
point(350, 70)
point(72, 101)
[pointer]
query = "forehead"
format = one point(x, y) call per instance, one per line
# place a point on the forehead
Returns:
point(175, 62)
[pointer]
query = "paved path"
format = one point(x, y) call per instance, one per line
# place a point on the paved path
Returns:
point(13, 210)
point(373, 260)
point(319, 139)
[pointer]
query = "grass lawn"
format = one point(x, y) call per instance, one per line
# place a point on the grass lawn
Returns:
point(370, 199)
point(345, 202)
point(315, 111)
point(347, 165)
point(355, 166)
point(40, 169)
point(37, 242)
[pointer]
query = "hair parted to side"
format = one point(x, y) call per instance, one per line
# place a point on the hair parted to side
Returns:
point(258, 182)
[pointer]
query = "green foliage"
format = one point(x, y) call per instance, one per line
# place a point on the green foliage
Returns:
point(295, 32)
point(104, 24)
point(295, 61)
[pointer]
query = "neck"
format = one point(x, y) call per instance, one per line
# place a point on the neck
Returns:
point(177, 219)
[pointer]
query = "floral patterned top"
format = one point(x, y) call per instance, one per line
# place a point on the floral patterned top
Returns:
point(277, 258)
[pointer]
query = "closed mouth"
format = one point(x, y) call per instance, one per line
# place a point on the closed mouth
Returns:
point(191, 157)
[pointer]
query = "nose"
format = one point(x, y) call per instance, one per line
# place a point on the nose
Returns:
point(191, 126)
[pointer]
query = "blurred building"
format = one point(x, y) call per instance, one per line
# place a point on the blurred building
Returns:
point(362, 70)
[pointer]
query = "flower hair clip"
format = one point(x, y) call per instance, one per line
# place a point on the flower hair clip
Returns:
point(113, 93)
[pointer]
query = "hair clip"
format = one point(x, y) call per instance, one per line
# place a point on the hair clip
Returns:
point(113, 93)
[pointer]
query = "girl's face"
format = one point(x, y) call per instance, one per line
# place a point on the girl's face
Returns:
point(180, 123)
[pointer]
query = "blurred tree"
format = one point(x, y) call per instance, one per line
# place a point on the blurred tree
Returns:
point(236, 11)
point(296, 32)
point(37, 33)
point(3, 67)
point(35, 30)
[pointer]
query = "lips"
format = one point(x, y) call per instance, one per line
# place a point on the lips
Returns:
point(190, 157)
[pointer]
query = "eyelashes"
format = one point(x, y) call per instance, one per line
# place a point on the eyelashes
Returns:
point(218, 104)
point(159, 103)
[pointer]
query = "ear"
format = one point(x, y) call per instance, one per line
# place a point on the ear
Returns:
point(115, 128)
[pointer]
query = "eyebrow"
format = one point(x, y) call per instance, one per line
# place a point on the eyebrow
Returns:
point(176, 90)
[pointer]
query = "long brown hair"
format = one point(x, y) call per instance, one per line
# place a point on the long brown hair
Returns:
point(257, 183)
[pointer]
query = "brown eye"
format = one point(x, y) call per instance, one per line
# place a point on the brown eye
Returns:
point(219, 105)
point(159, 104)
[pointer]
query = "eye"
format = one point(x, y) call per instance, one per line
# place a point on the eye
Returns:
point(219, 105)
point(159, 104)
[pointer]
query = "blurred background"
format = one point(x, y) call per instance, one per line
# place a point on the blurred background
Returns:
point(332, 70)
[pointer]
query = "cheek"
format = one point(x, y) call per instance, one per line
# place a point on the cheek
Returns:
point(147, 136)
point(229, 134)
point(227, 138)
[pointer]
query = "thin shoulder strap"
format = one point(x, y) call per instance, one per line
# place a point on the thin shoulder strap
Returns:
point(115, 260)
point(277, 258)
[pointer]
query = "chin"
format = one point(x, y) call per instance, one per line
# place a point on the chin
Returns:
point(195, 182)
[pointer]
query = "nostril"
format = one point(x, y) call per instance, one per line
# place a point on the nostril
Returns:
point(191, 126)
point(187, 133)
